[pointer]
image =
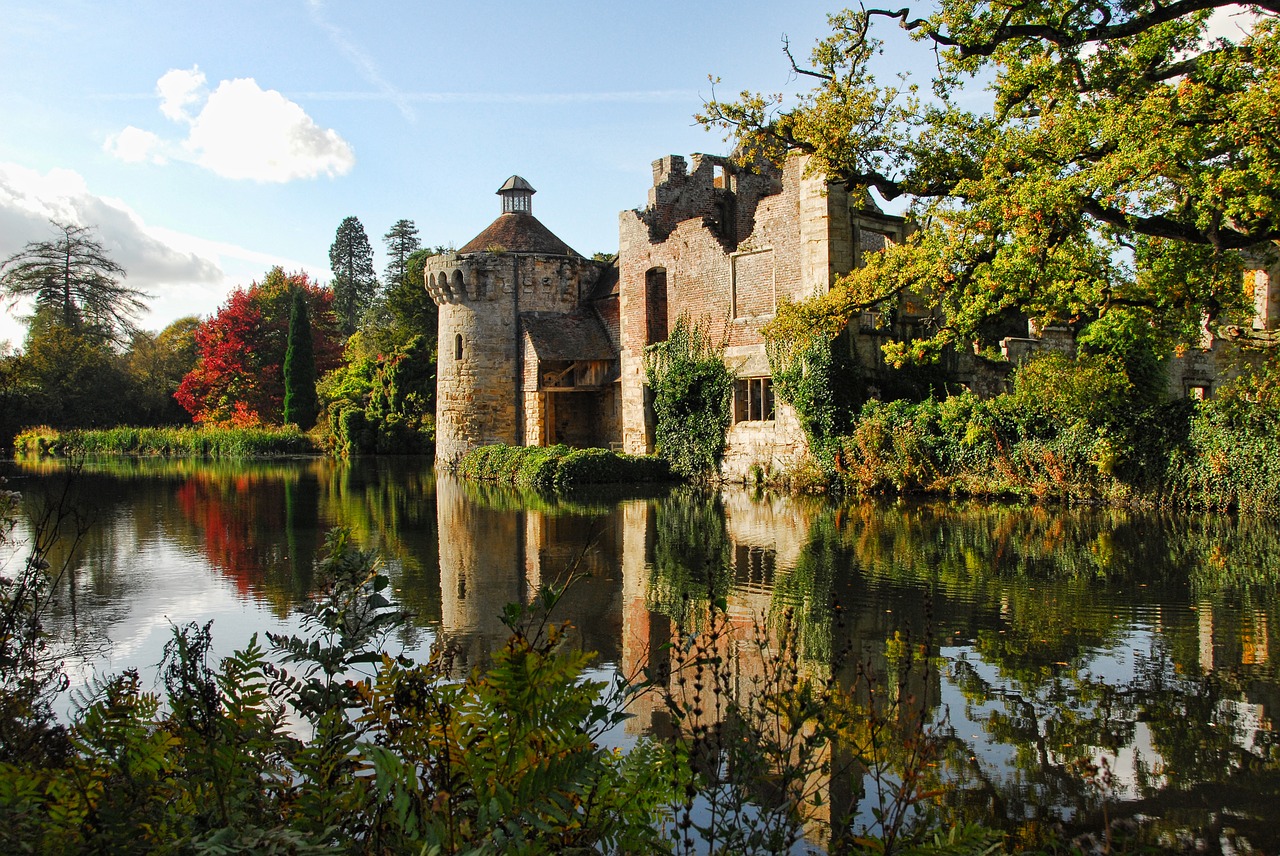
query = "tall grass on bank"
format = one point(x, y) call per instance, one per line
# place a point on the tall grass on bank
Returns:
point(559, 467)
point(186, 442)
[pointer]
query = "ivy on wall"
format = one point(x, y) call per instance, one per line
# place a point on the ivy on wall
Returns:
point(692, 392)
point(819, 377)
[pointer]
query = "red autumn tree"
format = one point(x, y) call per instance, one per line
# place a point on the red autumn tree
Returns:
point(238, 378)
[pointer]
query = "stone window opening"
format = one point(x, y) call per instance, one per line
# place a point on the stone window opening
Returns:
point(725, 220)
point(753, 400)
point(655, 302)
point(869, 241)
point(457, 346)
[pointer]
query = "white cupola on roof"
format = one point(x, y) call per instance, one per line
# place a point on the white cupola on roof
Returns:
point(517, 196)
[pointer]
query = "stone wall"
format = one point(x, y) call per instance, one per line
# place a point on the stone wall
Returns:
point(725, 275)
point(481, 296)
point(791, 235)
point(535, 411)
point(1263, 285)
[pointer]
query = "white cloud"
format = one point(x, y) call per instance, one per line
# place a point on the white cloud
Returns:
point(240, 131)
point(134, 145)
point(180, 89)
point(247, 132)
point(181, 278)
point(29, 200)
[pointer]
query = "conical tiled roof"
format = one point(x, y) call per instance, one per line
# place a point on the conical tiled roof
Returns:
point(518, 232)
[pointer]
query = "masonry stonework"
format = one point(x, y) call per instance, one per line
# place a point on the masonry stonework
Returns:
point(486, 381)
point(731, 244)
point(538, 345)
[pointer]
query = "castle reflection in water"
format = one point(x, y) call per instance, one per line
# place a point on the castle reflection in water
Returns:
point(1050, 636)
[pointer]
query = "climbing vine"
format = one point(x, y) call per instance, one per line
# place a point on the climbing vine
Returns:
point(692, 395)
point(819, 377)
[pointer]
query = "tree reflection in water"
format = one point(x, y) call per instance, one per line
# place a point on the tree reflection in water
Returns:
point(1049, 639)
point(1077, 655)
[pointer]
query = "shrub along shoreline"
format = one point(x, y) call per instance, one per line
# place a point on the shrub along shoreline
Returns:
point(545, 468)
point(1175, 455)
point(185, 442)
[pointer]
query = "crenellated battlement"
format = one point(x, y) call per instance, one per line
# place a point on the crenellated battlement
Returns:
point(541, 283)
point(455, 279)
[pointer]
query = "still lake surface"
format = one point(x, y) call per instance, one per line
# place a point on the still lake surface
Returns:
point(1056, 638)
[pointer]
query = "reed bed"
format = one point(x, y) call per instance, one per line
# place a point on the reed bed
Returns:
point(201, 441)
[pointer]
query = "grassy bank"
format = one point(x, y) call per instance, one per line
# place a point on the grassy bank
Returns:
point(559, 467)
point(185, 442)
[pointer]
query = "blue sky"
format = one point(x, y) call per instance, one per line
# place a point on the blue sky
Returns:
point(208, 142)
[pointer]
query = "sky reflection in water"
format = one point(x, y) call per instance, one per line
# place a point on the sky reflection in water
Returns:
point(1054, 636)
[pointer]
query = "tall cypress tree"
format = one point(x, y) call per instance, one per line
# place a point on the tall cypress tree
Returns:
point(300, 368)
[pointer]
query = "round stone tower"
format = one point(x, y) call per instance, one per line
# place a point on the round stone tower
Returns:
point(513, 268)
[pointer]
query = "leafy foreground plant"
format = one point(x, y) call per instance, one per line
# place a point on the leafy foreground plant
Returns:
point(331, 745)
point(310, 754)
point(31, 675)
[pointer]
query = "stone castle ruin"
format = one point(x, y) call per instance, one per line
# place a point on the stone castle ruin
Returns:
point(539, 345)
point(526, 357)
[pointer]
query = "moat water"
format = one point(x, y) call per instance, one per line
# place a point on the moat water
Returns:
point(1056, 639)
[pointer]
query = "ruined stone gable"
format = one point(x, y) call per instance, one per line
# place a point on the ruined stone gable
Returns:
point(724, 245)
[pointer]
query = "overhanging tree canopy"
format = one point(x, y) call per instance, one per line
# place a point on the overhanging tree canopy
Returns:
point(1127, 159)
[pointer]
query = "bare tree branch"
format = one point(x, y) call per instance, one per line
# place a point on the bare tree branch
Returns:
point(1062, 36)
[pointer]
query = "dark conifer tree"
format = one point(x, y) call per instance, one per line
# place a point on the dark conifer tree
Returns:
point(401, 242)
point(354, 282)
point(300, 368)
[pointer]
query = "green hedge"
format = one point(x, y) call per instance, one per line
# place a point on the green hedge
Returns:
point(964, 445)
point(559, 467)
point(1228, 465)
